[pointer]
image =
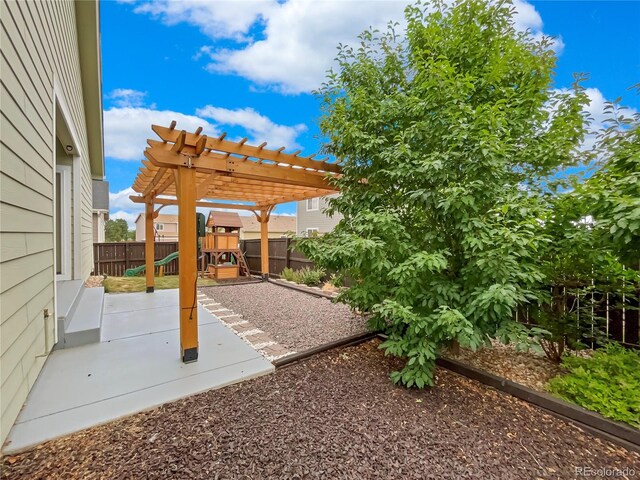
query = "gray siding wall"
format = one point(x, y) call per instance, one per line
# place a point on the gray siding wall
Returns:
point(39, 50)
point(315, 219)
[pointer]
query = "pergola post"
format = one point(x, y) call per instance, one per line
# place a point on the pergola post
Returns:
point(263, 218)
point(187, 263)
point(149, 245)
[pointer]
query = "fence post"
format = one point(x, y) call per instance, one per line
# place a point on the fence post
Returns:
point(126, 256)
point(287, 262)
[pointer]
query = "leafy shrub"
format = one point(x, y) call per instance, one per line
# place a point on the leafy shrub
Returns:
point(306, 275)
point(607, 383)
point(288, 274)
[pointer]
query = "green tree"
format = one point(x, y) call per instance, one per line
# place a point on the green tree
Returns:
point(611, 197)
point(594, 230)
point(448, 135)
point(116, 230)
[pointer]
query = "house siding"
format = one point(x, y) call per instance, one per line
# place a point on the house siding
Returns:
point(39, 56)
point(315, 218)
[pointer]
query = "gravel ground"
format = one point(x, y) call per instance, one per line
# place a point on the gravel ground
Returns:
point(528, 369)
point(336, 415)
point(295, 320)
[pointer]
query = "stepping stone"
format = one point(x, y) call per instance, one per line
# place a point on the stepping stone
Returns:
point(259, 338)
point(245, 327)
point(276, 350)
point(251, 331)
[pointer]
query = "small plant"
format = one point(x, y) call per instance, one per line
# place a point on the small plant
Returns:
point(310, 276)
point(288, 274)
point(306, 275)
point(607, 383)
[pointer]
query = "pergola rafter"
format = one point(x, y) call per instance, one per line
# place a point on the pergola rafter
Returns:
point(192, 170)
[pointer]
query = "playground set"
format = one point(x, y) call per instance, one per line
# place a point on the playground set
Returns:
point(218, 248)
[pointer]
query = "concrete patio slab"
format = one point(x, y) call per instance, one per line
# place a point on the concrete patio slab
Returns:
point(128, 315)
point(136, 367)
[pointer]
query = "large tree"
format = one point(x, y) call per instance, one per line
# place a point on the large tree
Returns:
point(117, 230)
point(447, 135)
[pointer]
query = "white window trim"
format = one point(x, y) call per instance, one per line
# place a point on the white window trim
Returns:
point(159, 227)
point(59, 100)
point(65, 221)
point(315, 200)
point(311, 230)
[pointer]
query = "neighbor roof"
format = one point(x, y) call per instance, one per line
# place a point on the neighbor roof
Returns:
point(277, 223)
point(161, 218)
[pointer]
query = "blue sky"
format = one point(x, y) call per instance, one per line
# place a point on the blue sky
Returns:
point(247, 67)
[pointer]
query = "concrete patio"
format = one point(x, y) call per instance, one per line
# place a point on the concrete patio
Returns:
point(136, 366)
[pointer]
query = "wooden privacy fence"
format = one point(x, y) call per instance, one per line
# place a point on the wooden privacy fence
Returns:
point(280, 256)
point(620, 319)
point(114, 258)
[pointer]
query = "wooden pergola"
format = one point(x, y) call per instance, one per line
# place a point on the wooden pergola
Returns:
point(192, 170)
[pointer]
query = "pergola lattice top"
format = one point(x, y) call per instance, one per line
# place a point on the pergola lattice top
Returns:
point(230, 171)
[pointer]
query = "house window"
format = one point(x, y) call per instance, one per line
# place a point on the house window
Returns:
point(313, 204)
point(159, 226)
point(311, 232)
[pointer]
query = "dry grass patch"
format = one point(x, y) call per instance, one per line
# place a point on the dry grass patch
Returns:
point(139, 284)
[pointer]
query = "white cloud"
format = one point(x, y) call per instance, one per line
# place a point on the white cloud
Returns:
point(126, 97)
point(126, 129)
point(216, 19)
point(595, 110)
point(259, 127)
point(298, 38)
point(128, 216)
point(597, 103)
point(121, 206)
point(120, 201)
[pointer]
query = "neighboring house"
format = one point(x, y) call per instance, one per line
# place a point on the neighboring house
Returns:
point(311, 216)
point(165, 226)
point(279, 226)
point(100, 209)
point(51, 147)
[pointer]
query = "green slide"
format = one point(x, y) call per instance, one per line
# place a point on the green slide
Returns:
point(132, 272)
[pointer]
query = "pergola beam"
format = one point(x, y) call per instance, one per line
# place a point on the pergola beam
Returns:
point(234, 167)
point(241, 148)
point(173, 201)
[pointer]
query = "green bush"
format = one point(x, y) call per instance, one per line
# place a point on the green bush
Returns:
point(607, 383)
point(306, 275)
point(288, 274)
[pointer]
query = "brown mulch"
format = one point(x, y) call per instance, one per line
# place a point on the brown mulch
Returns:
point(296, 320)
point(336, 415)
point(525, 368)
